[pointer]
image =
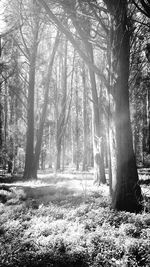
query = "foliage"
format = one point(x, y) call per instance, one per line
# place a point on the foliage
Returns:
point(61, 228)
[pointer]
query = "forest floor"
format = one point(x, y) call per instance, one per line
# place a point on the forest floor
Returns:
point(63, 220)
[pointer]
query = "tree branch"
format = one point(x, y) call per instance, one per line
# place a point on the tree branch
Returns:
point(69, 36)
point(140, 9)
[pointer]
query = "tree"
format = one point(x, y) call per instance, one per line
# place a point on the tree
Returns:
point(35, 163)
point(77, 129)
point(31, 93)
point(61, 113)
point(85, 122)
point(1, 110)
point(126, 193)
point(97, 129)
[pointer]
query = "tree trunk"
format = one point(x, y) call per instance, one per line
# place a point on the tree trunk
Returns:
point(29, 157)
point(126, 192)
point(44, 110)
point(110, 124)
point(63, 153)
point(99, 170)
point(72, 143)
point(6, 116)
point(148, 121)
point(61, 120)
point(58, 153)
point(77, 122)
point(50, 149)
point(84, 166)
point(1, 127)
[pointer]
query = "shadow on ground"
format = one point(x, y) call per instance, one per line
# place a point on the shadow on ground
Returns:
point(56, 188)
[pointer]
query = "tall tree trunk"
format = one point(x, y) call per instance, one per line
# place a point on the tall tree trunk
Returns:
point(136, 135)
point(50, 149)
point(77, 122)
point(110, 125)
point(99, 170)
point(63, 153)
point(148, 120)
point(61, 121)
point(72, 143)
point(84, 166)
point(1, 124)
point(6, 116)
point(126, 192)
point(148, 134)
point(144, 127)
point(29, 157)
point(58, 155)
point(44, 110)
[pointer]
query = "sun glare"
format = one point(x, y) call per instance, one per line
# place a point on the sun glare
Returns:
point(2, 22)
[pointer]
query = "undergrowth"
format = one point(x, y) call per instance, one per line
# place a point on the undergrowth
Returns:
point(70, 231)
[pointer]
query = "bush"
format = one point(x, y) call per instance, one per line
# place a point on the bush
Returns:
point(138, 254)
point(70, 232)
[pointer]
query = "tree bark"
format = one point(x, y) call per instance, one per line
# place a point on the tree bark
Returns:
point(1, 127)
point(126, 192)
point(5, 117)
point(148, 120)
point(29, 157)
point(77, 122)
point(58, 155)
point(84, 166)
point(99, 170)
point(63, 153)
point(61, 120)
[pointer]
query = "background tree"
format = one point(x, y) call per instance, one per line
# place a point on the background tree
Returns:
point(31, 94)
point(44, 109)
point(61, 107)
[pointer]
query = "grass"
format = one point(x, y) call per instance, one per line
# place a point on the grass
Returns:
point(65, 221)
